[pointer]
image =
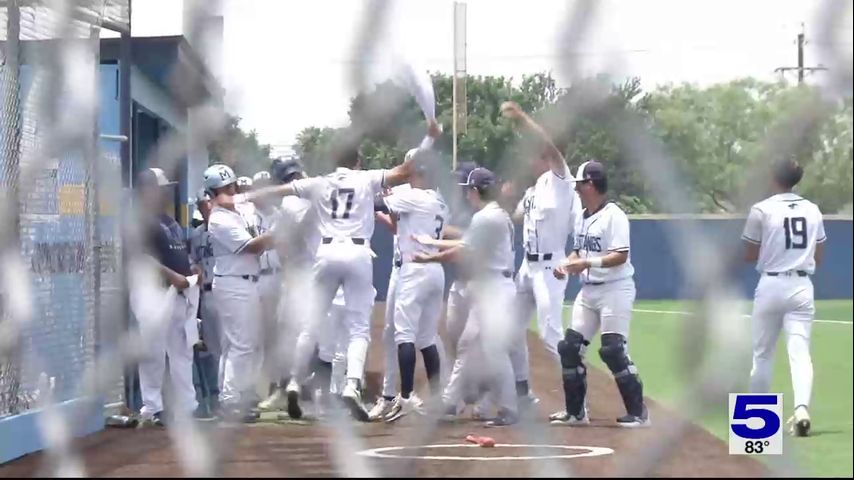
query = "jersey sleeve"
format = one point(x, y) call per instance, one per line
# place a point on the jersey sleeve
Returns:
point(195, 251)
point(376, 180)
point(401, 202)
point(619, 234)
point(753, 227)
point(230, 235)
point(307, 188)
point(820, 235)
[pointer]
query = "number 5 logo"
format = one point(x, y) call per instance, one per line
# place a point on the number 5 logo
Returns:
point(742, 411)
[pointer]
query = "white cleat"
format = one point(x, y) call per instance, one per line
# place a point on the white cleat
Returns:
point(562, 418)
point(405, 406)
point(353, 399)
point(275, 402)
point(380, 409)
point(799, 423)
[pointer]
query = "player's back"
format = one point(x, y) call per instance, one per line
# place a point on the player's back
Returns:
point(787, 228)
point(420, 212)
point(343, 201)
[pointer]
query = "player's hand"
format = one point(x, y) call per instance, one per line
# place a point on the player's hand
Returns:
point(197, 270)
point(511, 110)
point(559, 272)
point(422, 258)
point(434, 130)
point(424, 239)
point(508, 190)
point(575, 266)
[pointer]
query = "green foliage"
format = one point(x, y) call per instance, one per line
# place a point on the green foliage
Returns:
point(713, 134)
point(240, 150)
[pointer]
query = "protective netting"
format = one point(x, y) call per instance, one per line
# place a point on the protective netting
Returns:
point(64, 330)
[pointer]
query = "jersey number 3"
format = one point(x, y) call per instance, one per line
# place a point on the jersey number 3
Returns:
point(796, 232)
point(349, 193)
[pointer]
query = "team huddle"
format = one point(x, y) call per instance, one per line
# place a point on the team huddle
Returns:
point(285, 269)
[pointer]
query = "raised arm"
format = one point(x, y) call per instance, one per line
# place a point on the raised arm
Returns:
point(399, 174)
point(523, 121)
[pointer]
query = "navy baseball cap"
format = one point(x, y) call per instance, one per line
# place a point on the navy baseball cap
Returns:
point(463, 169)
point(591, 170)
point(283, 170)
point(480, 177)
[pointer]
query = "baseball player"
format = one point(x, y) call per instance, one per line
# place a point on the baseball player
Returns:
point(784, 235)
point(547, 212)
point(486, 254)
point(202, 259)
point(237, 247)
point(344, 204)
point(244, 184)
point(419, 287)
point(165, 242)
point(601, 259)
point(270, 281)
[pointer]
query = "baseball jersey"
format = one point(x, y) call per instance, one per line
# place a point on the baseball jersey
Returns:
point(230, 232)
point(395, 239)
point(167, 241)
point(201, 251)
point(787, 228)
point(597, 234)
point(549, 210)
point(298, 230)
point(419, 212)
point(265, 219)
point(343, 201)
point(489, 241)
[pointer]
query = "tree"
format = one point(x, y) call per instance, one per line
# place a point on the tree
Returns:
point(240, 150)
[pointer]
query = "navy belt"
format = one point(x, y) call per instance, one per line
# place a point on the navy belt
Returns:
point(800, 273)
point(269, 271)
point(253, 278)
point(357, 241)
point(593, 283)
point(535, 257)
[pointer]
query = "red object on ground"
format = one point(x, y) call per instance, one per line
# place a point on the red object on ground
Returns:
point(485, 442)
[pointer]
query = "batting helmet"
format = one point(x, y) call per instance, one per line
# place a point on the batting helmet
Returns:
point(284, 170)
point(261, 176)
point(244, 182)
point(218, 176)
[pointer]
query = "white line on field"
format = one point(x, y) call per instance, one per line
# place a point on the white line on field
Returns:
point(676, 312)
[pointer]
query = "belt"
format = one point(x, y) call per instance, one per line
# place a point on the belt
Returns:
point(799, 273)
point(270, 271)
point(398, 263)
point(536, 257)
point(593, 283)
point(207, 287)
point(253, 278)
point(357, 241)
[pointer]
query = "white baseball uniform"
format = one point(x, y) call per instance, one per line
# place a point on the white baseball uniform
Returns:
point(269, 290)
point(607, 294)
point(235, 293)
point(344, 204)
point(787, 229)
point(484, 346)
point(549, 210)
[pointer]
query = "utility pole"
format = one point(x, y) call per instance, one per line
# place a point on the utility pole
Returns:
point(800, 68)
point(459, 79)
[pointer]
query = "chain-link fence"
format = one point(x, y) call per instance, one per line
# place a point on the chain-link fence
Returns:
point(64, 330)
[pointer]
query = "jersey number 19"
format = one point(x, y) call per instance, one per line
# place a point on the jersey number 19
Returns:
point(796, 232)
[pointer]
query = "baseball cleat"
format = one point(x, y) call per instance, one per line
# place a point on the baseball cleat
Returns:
point(559, 415)
point(404, 406)
point(380, 409)
point(503, 419)
point(293, 394)
point(799, 423)
point(353, 399)
point(275, 402)
point(632, 421)
point(570, 420)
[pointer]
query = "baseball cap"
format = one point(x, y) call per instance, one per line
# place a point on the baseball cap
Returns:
point(591, 170)
point(463, 169)
point(153, 177)
point(283, 170)
point(480, 177)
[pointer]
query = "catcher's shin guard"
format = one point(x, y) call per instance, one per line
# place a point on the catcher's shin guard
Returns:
point(613, 353)
point(571, 350)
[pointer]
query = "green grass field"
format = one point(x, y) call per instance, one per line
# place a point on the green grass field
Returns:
point(656, 347)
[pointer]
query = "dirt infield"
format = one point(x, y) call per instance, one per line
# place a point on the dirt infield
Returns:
point(294, 450)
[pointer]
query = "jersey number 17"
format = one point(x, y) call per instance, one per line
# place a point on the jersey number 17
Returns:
point(348, 193)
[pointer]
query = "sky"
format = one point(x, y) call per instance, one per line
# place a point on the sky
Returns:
point(286, 63)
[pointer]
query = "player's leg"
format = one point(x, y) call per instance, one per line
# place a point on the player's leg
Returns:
point(209, 359)
point(583, 326)
point(457, 315)
point(357, 269)
point(151, 368)
point(407, 313)
point(616, 314)
point(524, 307)
point(427, 340)
point(766, 323)
point(494, 312)
point(180, 361)
point(238, 304)
point(798, 326)
point(390, 371)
